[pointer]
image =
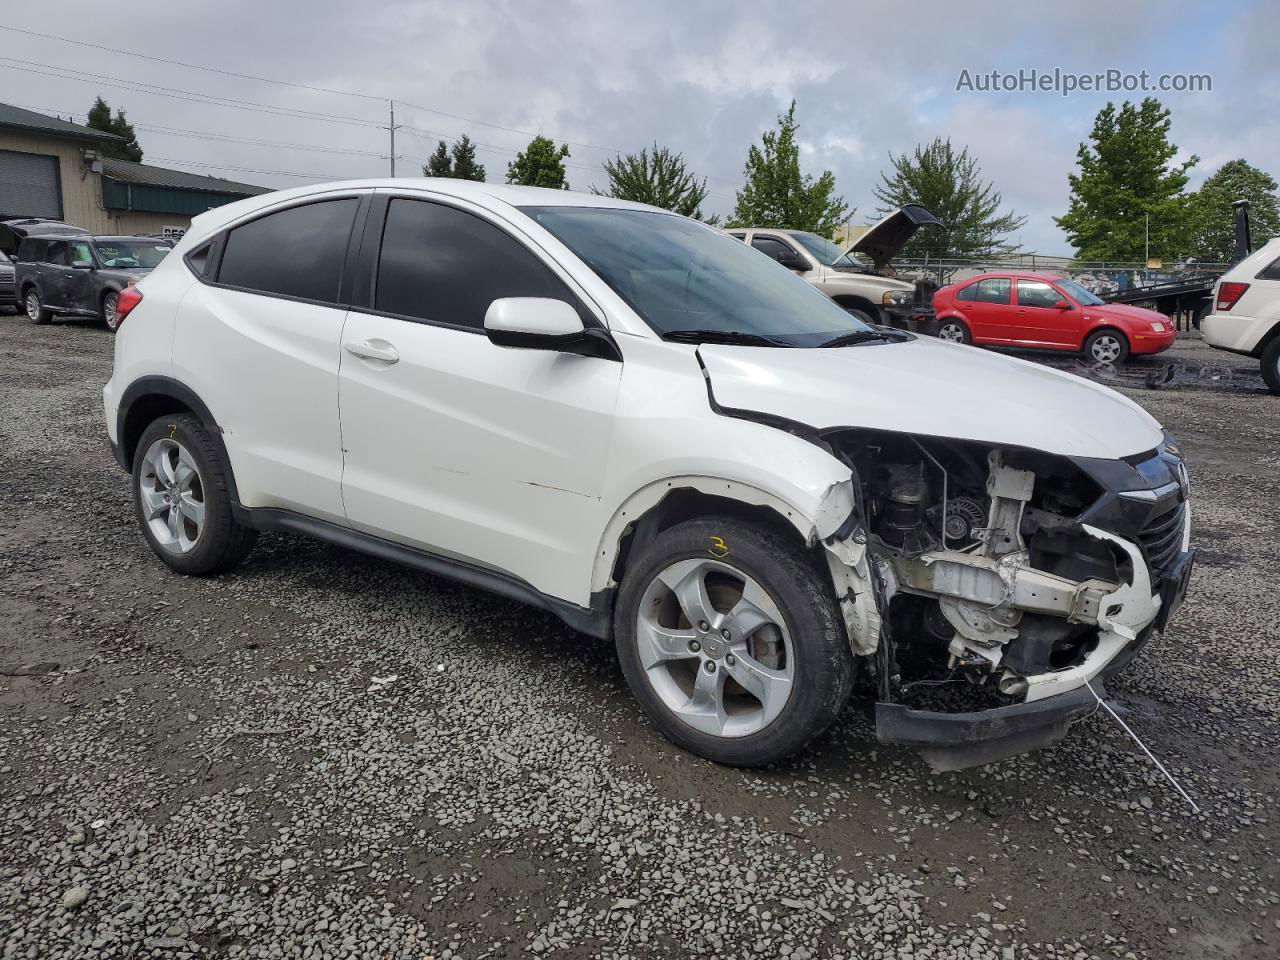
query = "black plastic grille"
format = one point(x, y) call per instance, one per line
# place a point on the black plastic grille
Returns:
point(1162, 538)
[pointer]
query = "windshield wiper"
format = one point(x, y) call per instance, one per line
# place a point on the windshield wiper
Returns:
point(864, 336)
point(735, 337)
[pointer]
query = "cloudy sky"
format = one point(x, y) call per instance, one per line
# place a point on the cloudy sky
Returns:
point(704, 77)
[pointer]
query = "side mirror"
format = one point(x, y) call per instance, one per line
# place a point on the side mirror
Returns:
point(1062, 305)
point(82, 264)
point(535, 323)
point(793, 261)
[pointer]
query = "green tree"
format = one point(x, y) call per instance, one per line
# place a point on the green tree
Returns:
point(438, 164)
point(948, 185)
point(660, 178)
point(464, 160)
point(100, 118)
point(1213, 219)
point(777, 194)
point(540, 165)
point(1127, 180)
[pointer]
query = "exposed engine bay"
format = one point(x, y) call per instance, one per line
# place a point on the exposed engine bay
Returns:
point(967, 562)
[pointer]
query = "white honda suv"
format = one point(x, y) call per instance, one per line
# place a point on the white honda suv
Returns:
point(658, 434)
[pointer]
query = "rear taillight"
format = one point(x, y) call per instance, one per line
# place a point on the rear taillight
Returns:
point(127, 299)
point(1229, 293)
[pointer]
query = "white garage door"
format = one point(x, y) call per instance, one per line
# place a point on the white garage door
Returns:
point(29, 186)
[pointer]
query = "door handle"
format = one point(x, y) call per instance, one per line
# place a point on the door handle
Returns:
point(369, 350)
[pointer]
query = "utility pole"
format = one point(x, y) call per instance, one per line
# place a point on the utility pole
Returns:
point(392, 130)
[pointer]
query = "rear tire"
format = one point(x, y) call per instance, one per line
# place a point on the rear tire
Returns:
point(110, 317)
point(954, 331)
point(35, 310)
point(1106, 346)
point(774, 624)
point(1271, 366)
point(182, 498)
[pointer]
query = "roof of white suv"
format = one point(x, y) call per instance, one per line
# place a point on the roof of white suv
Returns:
point(484, 194)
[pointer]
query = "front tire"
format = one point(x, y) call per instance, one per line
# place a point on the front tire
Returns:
point(729, 636)
point(1271, 366)
point(1106, 346)
point(182, 498)
point(36, 311)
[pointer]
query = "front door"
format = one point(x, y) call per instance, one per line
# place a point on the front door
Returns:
point(79, 288)
point(455, 445)
point(1040, 321)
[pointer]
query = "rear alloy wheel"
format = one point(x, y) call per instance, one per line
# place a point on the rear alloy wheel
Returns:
point(182, 498)
point(953, 331)
point(109, 314)
point(1106, 346)
point(1271, 366)
point(36, 311)
point(729, 636)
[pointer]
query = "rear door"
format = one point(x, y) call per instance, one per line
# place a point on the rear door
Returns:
point(986, 306)
point(258, 342)
point(453, 444)
point(1040, 322)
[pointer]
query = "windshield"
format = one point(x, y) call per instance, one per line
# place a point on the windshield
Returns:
point(680, 275)
point(827, 252)
point(1079, 294)
point(130, 254)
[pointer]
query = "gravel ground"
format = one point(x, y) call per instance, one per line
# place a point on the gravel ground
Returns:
point(323, 755)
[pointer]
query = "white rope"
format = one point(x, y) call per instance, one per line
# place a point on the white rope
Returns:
point(1125, 727)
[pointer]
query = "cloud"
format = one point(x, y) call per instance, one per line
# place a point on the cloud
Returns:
point(704, 78)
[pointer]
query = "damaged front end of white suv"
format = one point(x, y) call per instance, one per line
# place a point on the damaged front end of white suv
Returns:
point(1023, 577)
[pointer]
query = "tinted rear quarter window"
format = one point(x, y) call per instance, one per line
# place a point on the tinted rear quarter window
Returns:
point(968, 293)
point(298, 252)
point(1271, 271)
point(446, 266)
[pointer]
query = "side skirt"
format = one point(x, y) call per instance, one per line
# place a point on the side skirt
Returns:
point(594, 621)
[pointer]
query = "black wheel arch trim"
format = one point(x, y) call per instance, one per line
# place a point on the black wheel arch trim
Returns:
point(595, 620)
point(153, 386)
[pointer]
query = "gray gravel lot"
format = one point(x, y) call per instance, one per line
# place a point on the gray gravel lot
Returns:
point(323, 755)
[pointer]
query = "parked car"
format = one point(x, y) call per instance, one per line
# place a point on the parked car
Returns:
point(628, 419)
point(82, 276)
point(840, 274)
point(13, 231)
point(1035, 311)
point(1246, 311)
point(8, 292)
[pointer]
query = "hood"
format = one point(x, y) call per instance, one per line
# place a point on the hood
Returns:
point(932, 388)
point(1122, 312)
point(882, 242)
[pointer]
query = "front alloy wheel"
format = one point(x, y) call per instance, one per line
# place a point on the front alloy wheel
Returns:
point(729, 635)
point(1106, 346)
point(715, 648)
point(171, 492)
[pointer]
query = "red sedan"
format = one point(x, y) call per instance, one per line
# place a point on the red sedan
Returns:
point(1039, 312)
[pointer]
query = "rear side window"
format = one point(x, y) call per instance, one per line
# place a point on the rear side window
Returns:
point(968, 293)
point(444, 265)
point(297, 252)
point(1271, 271)
point(57, 254)
point(772, 247)
point(994, 290)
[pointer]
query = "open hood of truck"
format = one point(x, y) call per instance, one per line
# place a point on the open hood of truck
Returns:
point(932, 388)
point(883, 241)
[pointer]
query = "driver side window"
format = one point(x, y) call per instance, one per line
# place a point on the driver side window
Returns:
point(80, 252)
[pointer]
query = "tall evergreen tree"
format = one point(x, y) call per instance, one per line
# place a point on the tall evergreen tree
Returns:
point(465, 166)
point(1213, 218)
point(777, 194)
point(100, 118)
point(1127, 180)
point(439, 164)
point(949, 185)
point(660, 178)
point(541, 164)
